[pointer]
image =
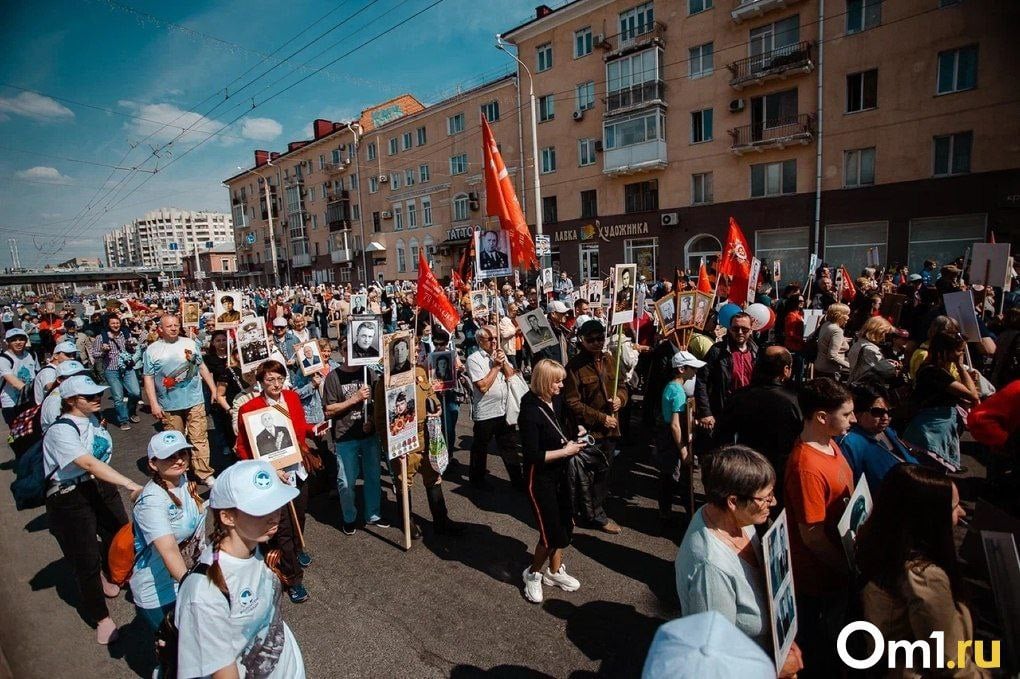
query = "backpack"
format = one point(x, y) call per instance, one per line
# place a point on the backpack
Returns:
point(26, 429)
point(121, 558)
point(29, 486)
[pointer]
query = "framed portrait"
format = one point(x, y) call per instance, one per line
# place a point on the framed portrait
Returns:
point(582, 291)
point(479, 304)
point(1004, 575)
point(595, 288)
point(856, 512)
point(665, 314)
point(309, 357)
point(492, 253)
point(190, 313)
point(359, 304)
point(252, 343)
point(624, 298)
point(121, 307)
point(685, 310)
point(546, 281)
point(702, 308)
point(398, 359)
point(271, 437)
point(536, 329)
point(227, 305)
point(442, 369)
point(401, 421)
point(779, 578)
point(364, 340)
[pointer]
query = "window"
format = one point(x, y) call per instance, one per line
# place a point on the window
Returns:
point(392, 147)
point(548, 159)
point(322, 161)
point(491, 111)
point(398, 218)
point(849, 243)
point(546, 109)
point(862, 15)
point(426, 211)
point(458, 164)
point(371, 151)
point(412, 215)
point(408, 177)
point(636, 21)
point(701, 126)
point(788, 245)
point(401, 257)
point(862, 91)
point(701, 188)
point(549, 210)
point(460, 208)
point(336, 157)
point(376, 222)
point(696, 6)
point(356, 211)
point(582, 42)
point(423, 173)
point(394, 181)
point(315, 222)
point(645, 253)
point(701, 63)
point(354, 182)
point(943, 239)
point(958, 70)
point(422, 136)
point(414, 254)
point(455, 124)
point(703, 246)
point(544, 56)
point(635, 129)
point(373, 184)
point(858, 167)
point(625, 76)
point(952, 153)
point(776, 36)
point(589, 204)
point(405, 141)
point(641, 196)
point(586, 96)
point(773, 179)
point(586, 151)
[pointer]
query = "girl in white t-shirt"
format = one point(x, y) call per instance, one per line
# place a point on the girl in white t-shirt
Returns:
point(229, 620)
point(169, 527)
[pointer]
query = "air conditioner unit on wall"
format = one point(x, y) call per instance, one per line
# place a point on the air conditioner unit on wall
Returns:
point(736, 106)
point(579, 115)
point(387, 214)
point(383, 178)
point(669, 219)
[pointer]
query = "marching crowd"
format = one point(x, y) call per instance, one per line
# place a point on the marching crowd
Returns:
point(771, 413)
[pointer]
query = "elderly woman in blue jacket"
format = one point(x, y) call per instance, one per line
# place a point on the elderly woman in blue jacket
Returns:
point(872, 447)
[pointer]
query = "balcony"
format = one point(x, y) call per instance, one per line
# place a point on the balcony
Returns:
point(778, 63)
point(629, 41)
point(773, 134)
point(620, 101)
point(335, 168)
point(745, 10)
point(341, 256)
point(644, 157)
point(339, 225)
point(301, 260)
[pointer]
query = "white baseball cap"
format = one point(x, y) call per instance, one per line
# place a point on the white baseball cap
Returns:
point(80, 385)
point(251, 486)
point(15, 332)
point(165, 443)
point(557, 307)
point(68, 348)
point(707, 646)
point(686, 358)
point(279, 322)
point(70, 368)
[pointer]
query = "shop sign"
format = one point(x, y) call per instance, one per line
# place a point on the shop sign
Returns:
point(602, 232)
point(459, 233)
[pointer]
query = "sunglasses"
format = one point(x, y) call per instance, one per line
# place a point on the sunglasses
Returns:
point(739, 329)
point(879, 412)
point(93, 397)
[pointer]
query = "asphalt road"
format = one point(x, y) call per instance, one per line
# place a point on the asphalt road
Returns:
point(448, 607)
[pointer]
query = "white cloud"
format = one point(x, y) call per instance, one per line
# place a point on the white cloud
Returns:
point(47, 175)
point(261, 129)
point(166, 121)
point(34, 106)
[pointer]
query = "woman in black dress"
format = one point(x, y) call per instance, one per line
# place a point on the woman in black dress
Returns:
point(547, 451)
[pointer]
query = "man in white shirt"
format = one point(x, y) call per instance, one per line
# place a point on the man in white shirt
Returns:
point(47, 377)
point(489, 373)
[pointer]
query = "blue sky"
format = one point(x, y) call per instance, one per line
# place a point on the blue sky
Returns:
point(110, 72)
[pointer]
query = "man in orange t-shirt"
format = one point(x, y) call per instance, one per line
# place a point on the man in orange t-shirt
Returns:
point(818, 485)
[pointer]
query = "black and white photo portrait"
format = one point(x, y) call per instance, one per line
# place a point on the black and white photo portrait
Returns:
point(364, 341)
point(492, 254)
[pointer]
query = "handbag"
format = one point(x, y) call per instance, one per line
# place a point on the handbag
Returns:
point(517, 388)
point(591, 459)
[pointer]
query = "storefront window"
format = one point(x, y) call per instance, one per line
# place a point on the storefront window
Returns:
point(788, 245)
point(644, 252)
point(702, 245)
point(943, 239)
point(848, 244)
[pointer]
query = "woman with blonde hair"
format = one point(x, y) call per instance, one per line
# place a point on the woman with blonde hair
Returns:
point(866, 360)
point(832, 343)
point(548, 446)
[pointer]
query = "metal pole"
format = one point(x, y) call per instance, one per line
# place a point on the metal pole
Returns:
point(818, 122)
point(361, 212)
point(272, 238)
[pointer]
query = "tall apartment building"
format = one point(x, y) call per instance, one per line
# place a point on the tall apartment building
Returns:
point(361, 199)
point(880, 123)
point(162, 237)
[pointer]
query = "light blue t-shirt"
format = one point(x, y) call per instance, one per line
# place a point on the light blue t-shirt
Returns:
point(174, 370)
point(155, 515)
point(62, 445)
point(23, 367)
point(674, 400)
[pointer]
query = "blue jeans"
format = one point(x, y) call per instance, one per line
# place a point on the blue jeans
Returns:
point(153, 617)
point(124, 382)
point(451, 411)
point(354, 458)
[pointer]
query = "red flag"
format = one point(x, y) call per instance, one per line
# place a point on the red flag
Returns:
point(704, 285)
point(501, 201)
point(456, 280)
point(849, 290)
point(735, 262)
point(431, 297)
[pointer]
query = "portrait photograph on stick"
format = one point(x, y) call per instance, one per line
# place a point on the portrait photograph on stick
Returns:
point(252, 343)
point(309, 357)
point(401, 420)
point(665, 313)
point(190, 313)
point(536, 329)
point(492, 254)
point(779, 578)
point(359, 303)
point(479, 304)
point(685, 310)
point(272, 438)
point(702, 306)
point(857, 511)
point(595, 292)
point(623, 293)
point(364, 341)
point(441, 370)
point(227, 308)
point(398, 363)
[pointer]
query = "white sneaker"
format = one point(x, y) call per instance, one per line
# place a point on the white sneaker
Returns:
point(567, 583)
point(532, 586)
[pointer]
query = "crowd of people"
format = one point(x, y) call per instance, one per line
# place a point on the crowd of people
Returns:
point(772, 417)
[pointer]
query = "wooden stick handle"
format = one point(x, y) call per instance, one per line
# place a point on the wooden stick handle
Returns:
point(297, 525)
point(405, 503)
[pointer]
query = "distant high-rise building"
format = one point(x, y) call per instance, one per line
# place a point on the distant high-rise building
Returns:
point(162, 237)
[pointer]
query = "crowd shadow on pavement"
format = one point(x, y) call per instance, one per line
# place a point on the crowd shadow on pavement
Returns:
point(136, 647)
point(498, 672)
point(57, 574)
point(620, 647)
point(656, 573)
point(486, 551)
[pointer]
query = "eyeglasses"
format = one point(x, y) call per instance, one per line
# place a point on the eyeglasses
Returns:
point(878, 412)
point(767, 500)
point(274, 380)
point(483, 338)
